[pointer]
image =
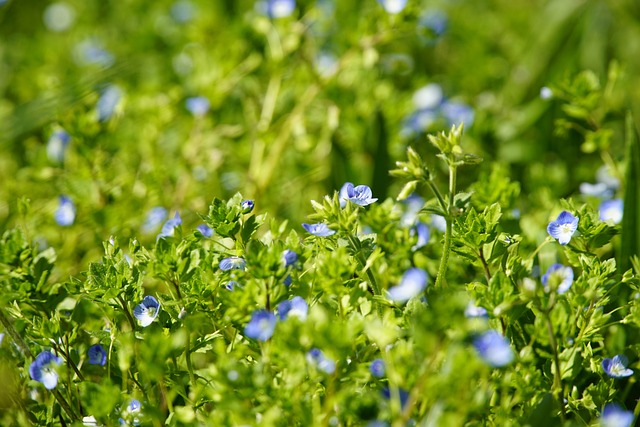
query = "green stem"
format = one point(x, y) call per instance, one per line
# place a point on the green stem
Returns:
point(65, 405)
point(363, 264)
point(444, 261)
point(15, 336)
point(557, 377)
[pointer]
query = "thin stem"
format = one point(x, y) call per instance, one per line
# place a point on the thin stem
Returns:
point(132, 322)
point(187, 352)
point(487, 272)
point(557, 378)
point(15, 336)
point(363, 264)
point(65, 405)
point(444, 261)
point(438, 195)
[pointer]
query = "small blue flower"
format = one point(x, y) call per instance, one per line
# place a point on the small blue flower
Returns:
point(377, 368)
point(457, 113)
point(296, 307)
point(562, 276)
point(182, 11)
point(155, 217)
point(169, 227)
point(422, 230)
point(289, 257)
point(615, 416)
point(402, 394)
point(205, 230)
point(132, 413)
point(611, 210)
point(412, 284)
point(261, 326)
point(57, 145)
point(359, 195)
point(147, 311)
point(473, 311)
point(198, 105)
point(246, 206)
point(97, 355)
point(320, 230)
point(494, 349)
point(598, 189)
point(43, 369)
point(279, 8)
point(433, 20)
point(232, 263)
point(316, 357)
point(65, 215)
point(616, 367)
point(563, 227)
point(90, 52)
point(288, 280)
point(108, 101)
point(393, 6)
point(231, 285)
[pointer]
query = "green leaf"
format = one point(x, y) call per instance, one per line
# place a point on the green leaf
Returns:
point(630, 245)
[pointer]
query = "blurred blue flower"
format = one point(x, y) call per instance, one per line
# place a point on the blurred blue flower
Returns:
point(205, 230)
point(155, 217)
point(456, 113)
point(108, 102)
point(296, 307)
point(359, 195)
point(147, 311)
point(59, 17)
point(616, 367)
point(316, 357)
point(563, 227)
point(246, 206)
point(90, 52)
point(43, 369)
point(65, 215)
point(232, 263)
point(473, 311)
point(598, 189)
point(611, 210)
point(261, 326)
point(428, 97)
point(412, 206)
point(562, 274)
point(57, 145)
point(393, 6)
point(422, 230)
point(289, 257)
point(183, 11)
point(132, 413)
point(231, 285)
point(198, 105)
point(287, 280)
point(377, 368)
point(604, 175)
point(435, 21)
point(494, 349)
point(320, 230)
point(546, 93)
point(326, 64)
point(615, 416)
point(277, 8)
point(439, 223)
point(402, 394)
point(412, 284)
point(169, 227)
point(97, 355)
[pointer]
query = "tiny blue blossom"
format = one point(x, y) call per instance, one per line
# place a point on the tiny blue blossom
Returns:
point(295, 307)
point(316, 357)
point(429, 97)
point(65, 215)
point(359, 195)
point(473, 311)
point(611, 210)
point(132, 413)
point(599, 189)
point(155, 217)
point(278, 8)
point(393, 6)
point(433, 20)
point(231, 285)
point(402, 394)
point(377, 368)
point(108, 102)
point(147, 311)
point(615, 416)
point(261, 326)
point(288, 280)
point(205, 230)
point(320, 230)
point(616, 367)
point(182, 11)
point(43, 369)
point(422, 230)
point(563, 227)
point(97, 355)
point(412, 284)
point(198, 105)
point(232, 263)
point(57, 145)
point(289, 257)
point(562, 274)
point(90, 52)
point(246, 206)
point(457, 113)
point(169, 227)
point(494, 349)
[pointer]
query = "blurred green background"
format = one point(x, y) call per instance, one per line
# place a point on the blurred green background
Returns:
point(297, 104)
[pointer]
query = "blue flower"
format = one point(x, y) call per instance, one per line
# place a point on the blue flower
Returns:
point(43, 369)
point(296, 307)
point(457, 113)
point(205, 230)
point(472, 311)
point(611, 210)
point(423, 235)
point(393, 6)
point(316, 357)
point(109, 100)
point(320, 230)
point(198, 105)
point(65, 215)
point(289, 257)
point(57, 145)
point(168, 229)
point(377, 368)
point(402, 394)
point(598, 189)
point(439, 223)
point(231, 285)
point(494, 349)
point(232, 263)
point(246, 206)
point(561, 276)
point(433, 20)
point(147, 311)
point(288, 280)
point(429, 97)
point(279, 8)
point(563, 227)
point(614, 416)
point(90, 52)
point(616, 367)
point(359, 195)
point(413, 282)
point(97, 355)
point(182, 11)
point(261, 325)
point(132, 413)
point(413, 204)
point(155, 217)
